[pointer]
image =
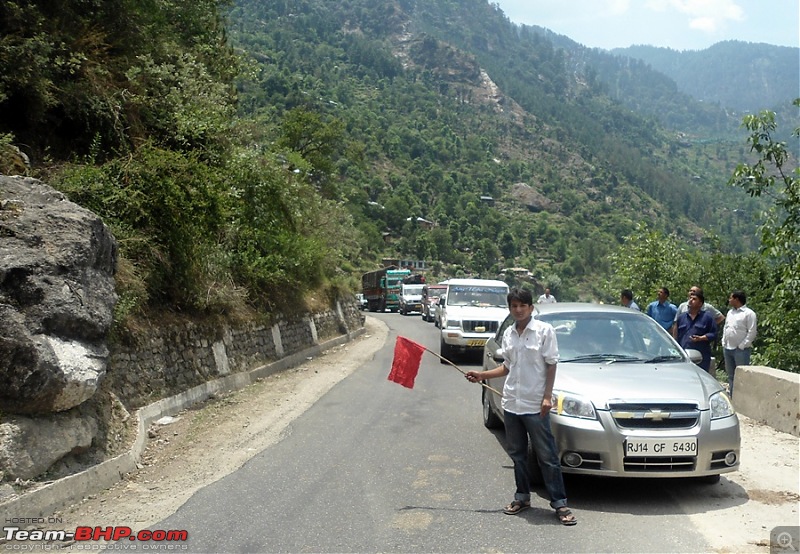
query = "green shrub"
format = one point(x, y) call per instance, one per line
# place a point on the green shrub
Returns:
point(165, 208)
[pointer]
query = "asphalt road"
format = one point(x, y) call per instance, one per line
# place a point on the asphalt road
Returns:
point(376, 467)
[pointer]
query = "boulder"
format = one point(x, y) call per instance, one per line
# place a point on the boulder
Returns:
point(57, 296)
point(30, 446)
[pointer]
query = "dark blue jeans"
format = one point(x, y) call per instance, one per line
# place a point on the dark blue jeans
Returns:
point(518, 428)
point(733, 359)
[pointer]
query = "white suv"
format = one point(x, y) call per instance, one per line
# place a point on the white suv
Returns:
point(470, 313)
point(410, 298)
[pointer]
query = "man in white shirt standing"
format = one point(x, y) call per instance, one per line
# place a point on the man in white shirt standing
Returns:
point(530, 352)
point(546, 298)
point(738, 335)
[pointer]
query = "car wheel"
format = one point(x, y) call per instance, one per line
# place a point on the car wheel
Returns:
point(490, 419)
point(533, 467)
point(445, 351)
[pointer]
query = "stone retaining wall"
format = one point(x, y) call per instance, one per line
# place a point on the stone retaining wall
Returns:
point(171, 359)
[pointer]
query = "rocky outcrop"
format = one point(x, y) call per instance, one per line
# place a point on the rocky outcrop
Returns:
point(30, 446)
point(57, 263)
point(530, 197)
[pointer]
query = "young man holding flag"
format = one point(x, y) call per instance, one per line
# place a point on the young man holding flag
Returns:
point(530, 351)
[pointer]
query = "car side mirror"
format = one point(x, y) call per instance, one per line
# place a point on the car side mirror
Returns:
point(695, 356)
point(443, 300)
point(498, 357)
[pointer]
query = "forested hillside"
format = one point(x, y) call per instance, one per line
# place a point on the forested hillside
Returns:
point(740, 76)
point(247, 153)
point(450, 101)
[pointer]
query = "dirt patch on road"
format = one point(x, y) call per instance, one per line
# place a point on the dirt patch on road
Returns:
point(773, 497)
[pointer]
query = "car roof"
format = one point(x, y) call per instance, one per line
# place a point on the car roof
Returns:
point(479, 282)
point(583, 307)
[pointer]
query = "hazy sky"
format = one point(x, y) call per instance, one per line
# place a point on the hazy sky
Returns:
point(677, 24)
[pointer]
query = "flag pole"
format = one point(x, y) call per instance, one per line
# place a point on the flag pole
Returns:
point(498, 393)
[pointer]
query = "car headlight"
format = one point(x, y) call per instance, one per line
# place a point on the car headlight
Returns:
point(572, 405)
point(453, 323)
point(721, 405)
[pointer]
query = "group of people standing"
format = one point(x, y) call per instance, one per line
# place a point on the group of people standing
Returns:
point(695, 324)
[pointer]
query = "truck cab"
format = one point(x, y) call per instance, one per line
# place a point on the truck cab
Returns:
point(393, 284)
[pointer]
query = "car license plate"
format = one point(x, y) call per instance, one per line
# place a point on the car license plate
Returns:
point(476, 342)
point(661, 447)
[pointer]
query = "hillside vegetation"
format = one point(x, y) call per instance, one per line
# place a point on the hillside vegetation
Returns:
point(246, 153)
point(731, 74)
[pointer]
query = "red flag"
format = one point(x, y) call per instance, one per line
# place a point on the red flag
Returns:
point(405, 365)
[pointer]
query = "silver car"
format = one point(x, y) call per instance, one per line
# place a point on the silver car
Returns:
point(430, 298)
point(627, 400)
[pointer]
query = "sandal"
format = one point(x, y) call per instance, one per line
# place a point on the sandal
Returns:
point(516, 507)
point(565, 516)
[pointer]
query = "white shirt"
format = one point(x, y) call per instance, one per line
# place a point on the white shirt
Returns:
point(544, 299)
point(526, 357)
point(740, 329)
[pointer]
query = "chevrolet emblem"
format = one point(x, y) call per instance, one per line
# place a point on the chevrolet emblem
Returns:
point(657, 415)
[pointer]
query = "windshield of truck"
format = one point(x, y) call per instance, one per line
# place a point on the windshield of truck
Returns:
point(465, 295)
point(413, 289)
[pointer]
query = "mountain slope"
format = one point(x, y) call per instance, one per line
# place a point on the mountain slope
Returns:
point(743, 76)
point(448, 102)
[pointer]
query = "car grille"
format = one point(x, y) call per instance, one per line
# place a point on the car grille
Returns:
point(475, 326)
point(655, 416)
point(668, 463)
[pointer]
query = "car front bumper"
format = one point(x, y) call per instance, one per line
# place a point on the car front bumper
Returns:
point(600, 446)
point(458, 339)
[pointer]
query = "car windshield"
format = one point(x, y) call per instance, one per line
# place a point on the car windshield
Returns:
point(477, 296)
point(436, 292)
point(413, 289)
point(611, 337)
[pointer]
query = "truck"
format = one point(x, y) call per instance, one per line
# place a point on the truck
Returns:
point(381, 288)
